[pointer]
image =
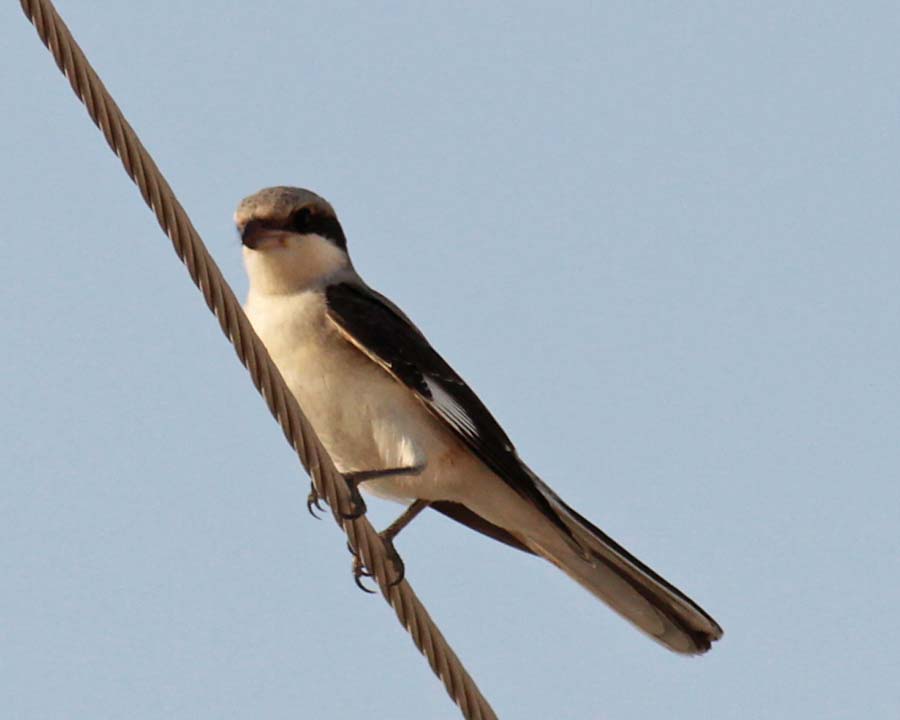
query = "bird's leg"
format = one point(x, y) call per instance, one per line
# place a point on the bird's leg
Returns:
point(353, 481)
point(387, 536)
point(408, 515)
point(357, 477)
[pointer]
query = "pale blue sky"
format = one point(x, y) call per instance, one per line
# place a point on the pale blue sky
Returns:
point(660, 240)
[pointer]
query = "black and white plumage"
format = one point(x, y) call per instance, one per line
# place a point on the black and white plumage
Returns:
point(379, 329)
point(379, 396)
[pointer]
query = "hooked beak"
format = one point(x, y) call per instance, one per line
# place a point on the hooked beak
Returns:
point(256, 236)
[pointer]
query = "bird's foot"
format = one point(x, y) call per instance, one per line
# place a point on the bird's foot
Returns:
point(357, 504)
point(313, 501)
point(360, 571)
point(387, 537)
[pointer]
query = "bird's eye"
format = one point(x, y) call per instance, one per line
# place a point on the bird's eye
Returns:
point(299, 221)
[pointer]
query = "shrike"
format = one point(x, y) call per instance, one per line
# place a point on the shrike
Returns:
point(400, 423)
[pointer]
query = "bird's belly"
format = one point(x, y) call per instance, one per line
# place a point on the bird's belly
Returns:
point(367, 420)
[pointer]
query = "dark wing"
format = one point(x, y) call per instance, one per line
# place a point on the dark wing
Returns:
point(380, 330)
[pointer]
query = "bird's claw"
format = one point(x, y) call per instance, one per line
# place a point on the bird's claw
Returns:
point(360, 571)
point(397, 562)
point(357, 504)
point(312, 501)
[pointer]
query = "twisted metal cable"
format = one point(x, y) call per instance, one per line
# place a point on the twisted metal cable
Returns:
point(253, 355)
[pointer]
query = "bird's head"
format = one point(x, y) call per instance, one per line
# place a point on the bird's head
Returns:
point(292, 239)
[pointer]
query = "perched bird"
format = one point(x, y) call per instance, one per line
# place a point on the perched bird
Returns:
point(400, 423)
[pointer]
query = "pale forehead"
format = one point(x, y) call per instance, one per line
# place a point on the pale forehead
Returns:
point(277, 203)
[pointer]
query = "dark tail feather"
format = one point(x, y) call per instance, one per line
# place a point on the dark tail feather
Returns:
point(627, 585)
point(607, 570)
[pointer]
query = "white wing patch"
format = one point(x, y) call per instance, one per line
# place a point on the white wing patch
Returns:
point(447, 407)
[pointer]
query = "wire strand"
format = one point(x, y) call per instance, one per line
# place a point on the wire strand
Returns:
point(221, 300)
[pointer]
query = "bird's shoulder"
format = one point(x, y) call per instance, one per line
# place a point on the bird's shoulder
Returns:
point(380, 330)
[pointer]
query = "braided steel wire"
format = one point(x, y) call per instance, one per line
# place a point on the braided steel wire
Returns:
point(220, 299)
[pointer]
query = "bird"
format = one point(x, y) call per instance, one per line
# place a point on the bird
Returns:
point(400, 423)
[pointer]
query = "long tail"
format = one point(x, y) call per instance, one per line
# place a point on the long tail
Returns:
point(623, 582)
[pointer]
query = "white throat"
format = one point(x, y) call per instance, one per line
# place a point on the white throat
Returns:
point(299, 262)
